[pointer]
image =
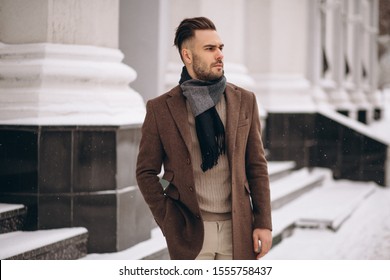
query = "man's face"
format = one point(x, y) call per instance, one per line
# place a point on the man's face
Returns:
point(205, 57)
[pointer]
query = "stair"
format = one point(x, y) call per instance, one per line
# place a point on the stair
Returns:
point(295, 184)
point(154, 248)
point(287, 184)
point(50, 244)
point(12, 217)
point(329, 208)
point(326, 207)
point(280, 169)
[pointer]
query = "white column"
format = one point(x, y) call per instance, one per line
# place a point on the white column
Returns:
point(354, 21)
point(144, 41)
point(335, 43)
point(371, 52)
point(314, 61)
point(64, 68)
point(281, 64)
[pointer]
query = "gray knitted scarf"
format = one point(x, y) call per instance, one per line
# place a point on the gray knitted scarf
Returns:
point(202, 97)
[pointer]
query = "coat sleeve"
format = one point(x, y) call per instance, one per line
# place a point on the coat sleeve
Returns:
point(149, 162)
point(257, 173)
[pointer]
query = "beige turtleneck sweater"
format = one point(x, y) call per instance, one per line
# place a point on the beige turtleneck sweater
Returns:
point(213, 187)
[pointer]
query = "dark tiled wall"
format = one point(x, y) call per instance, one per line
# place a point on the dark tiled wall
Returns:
point(352, 155)
point(94, 161)
point(19, 160)
point(55, 160)
point(315, 140)
point(76, 176)
point(291, 137)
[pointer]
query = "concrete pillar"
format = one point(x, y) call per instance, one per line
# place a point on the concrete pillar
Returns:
point(371, 23)
point(55, 51)
point(354, 52)
point(69, 122)
point(335, 47)
point(314, 54)
point(282, 55)
point(143, 39)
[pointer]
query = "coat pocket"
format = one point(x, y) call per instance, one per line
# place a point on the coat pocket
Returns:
point(166, 179)
point(170, 189)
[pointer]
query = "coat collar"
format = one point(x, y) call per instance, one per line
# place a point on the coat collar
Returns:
point(177, 106)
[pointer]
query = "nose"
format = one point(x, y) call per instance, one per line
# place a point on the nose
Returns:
point(219, 54)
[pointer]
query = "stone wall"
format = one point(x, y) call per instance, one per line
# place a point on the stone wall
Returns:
point(76, 176)
point(314, 140)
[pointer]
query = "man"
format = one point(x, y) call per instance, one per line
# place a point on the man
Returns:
point(213, 200)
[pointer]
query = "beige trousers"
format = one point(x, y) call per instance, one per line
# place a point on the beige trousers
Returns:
point(217, 244)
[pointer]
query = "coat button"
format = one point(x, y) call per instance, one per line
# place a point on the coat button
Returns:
point(188, 161)
point(191, 189)
point(197, 216)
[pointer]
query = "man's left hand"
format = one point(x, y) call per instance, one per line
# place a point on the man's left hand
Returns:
point(265, 236)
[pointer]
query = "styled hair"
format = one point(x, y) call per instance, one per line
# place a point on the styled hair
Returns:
point(186, 30)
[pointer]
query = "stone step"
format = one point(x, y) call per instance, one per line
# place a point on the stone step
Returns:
point(279, 169)
point(327, 206)
point(158, 251)
point(12, 217)
point(51, 244)
point(295, 184)
point(332, 205)
point(154, 248)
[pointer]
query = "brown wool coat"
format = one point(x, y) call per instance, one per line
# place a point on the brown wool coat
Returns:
point(166, 140)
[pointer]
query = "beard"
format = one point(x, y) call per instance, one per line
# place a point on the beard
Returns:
point(203, 71)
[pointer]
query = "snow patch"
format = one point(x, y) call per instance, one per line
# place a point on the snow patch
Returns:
point(5, 207)
point(18, 242)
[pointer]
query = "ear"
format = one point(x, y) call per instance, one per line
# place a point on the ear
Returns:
point(186, 55)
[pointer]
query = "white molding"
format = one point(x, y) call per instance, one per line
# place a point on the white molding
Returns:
point(57, 84)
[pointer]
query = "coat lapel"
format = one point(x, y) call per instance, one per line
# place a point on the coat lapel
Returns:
point(177, 107)
point(233, 105)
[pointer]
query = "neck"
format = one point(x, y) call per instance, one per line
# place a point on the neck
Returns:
point(185, 75)
point(191, 72)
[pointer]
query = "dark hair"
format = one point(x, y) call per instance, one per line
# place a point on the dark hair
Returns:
point(186, 29)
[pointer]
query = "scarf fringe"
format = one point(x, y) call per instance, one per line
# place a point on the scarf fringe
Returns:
point(211, 138)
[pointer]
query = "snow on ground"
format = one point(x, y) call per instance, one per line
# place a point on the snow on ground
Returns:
point(365, 235)
point(11, 244)
point(5, 207)
point(137, 252)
